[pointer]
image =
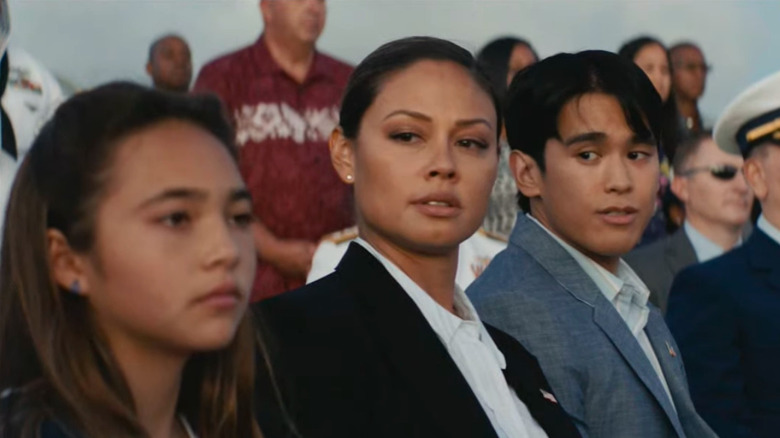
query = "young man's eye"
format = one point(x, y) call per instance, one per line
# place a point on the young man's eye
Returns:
point(176, 219)
point(242, 220)
point(638, 155)
point(587, 155)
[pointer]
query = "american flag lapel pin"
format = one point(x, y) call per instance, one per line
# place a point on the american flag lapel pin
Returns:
point(671, 349)
point(548, 396)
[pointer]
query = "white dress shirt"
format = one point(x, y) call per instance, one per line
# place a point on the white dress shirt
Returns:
point(772, 231)
point(473, 351)
point(626, 292)
point(704, 248)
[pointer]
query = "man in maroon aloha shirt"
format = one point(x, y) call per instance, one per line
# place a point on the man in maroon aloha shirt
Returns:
point(283, 97)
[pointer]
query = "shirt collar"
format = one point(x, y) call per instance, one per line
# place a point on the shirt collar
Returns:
point(608, 283)
point(704, 248)
point(443, 322)
point(772, 231)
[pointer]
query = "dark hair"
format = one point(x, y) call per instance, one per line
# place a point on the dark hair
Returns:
point(156, 42)
point(671, 132)
point(670, 201)
point(688, 148)
point(683, 45)
point(538, 93)
point(494, 59)
point(370, 74)
point(53, 353)
point(630, 48)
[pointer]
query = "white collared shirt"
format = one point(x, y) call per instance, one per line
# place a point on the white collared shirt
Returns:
point(473, 351)
point(630, 302)
point(704, 248)
point(772, 231)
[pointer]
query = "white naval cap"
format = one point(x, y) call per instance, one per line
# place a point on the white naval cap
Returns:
point(752, 118)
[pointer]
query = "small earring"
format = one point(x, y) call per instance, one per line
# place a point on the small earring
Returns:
point(349, 178)
point(75, 287)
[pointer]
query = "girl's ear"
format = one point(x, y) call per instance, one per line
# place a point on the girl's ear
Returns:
point(67, 267)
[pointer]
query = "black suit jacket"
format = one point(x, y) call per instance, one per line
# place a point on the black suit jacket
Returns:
point(356, 358)
point(725, 316)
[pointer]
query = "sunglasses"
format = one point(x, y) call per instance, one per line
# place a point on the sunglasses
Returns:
point(723, 172)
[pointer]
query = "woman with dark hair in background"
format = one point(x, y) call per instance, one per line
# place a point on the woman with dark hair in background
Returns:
point(387, 345)
point(653, 58)
point(501, 59)
point(127, 263)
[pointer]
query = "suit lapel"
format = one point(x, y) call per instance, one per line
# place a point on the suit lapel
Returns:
point(570, 275)
point(610, 322)
point(412, 347)
point(554, 259)
point(525, 376)
point(679, 252)
point(666, 351)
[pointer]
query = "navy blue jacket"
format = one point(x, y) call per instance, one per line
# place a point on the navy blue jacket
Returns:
point(725, 316)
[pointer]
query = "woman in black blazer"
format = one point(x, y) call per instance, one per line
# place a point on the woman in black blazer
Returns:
point(387, 346)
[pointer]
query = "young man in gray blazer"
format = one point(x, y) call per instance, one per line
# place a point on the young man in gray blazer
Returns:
point(583, 129)
point(717, 201)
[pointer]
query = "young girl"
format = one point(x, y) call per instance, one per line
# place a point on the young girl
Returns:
point(126, 265)
point(388, 345)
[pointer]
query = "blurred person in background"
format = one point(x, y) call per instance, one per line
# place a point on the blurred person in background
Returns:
point(717, 202)
point(170, 63)
point(652, 57)
point(284, 97)
point(501, 59)
point(689, 77)
point(30, 94)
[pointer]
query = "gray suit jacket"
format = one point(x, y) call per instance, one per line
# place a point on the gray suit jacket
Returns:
point(535, 291)
point(659, 262)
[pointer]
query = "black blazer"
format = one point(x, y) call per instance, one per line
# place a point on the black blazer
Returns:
point(356, 358)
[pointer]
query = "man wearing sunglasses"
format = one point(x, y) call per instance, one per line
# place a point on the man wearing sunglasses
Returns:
point(717, 201)
point(725, 314)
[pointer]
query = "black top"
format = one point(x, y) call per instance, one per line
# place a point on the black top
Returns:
point(8, 428)
point(355, 357)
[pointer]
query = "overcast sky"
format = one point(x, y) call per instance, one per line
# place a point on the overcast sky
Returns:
point(93, 41)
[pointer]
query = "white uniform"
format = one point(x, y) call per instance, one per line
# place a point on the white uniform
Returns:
point(475, 254)
point(31, 96)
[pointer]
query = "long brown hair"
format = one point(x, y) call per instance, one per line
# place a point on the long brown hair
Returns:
point(52, 353)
